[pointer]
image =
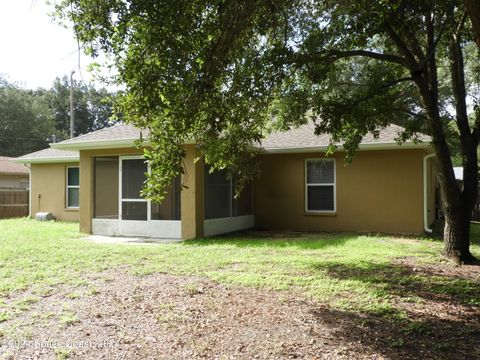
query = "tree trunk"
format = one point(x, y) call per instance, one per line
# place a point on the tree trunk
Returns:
point(473, 10)
point(457, 235)
point(462, 213)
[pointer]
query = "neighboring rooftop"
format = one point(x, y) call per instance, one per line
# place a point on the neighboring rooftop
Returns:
point(304, 138)
point(7, 167)
point(49, 155)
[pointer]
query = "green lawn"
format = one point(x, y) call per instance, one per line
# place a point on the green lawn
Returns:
point(348, 271)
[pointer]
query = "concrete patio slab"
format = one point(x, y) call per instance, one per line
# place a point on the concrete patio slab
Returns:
point(138, 240)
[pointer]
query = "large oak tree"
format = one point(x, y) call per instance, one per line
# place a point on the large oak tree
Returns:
point(225, 72)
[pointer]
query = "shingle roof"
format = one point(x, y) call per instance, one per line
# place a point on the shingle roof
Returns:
point(115, 132)
point(49, 155)
point(10, 168)
point(304, 137)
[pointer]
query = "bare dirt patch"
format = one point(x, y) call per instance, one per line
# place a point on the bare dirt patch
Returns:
point(159, 316)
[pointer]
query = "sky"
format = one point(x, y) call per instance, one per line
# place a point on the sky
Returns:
point(33, 49)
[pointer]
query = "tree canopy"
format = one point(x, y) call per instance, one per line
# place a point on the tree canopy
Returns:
point(225, 72)
point(31, 119)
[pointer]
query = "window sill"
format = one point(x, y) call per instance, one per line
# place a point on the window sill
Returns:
point(72, 209)
point(320, 213)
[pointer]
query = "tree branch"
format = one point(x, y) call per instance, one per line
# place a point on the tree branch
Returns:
point(334, 55)
point(384, 86)
point(458, 86)
point(411, 113)
point(411, 62)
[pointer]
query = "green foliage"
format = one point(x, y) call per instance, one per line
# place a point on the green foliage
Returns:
point(92, 108)
point(223, 73)
point(31, 119)
point(25, 120)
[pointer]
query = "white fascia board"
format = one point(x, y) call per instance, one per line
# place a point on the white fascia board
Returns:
point(95, 144)
point(46, 160)
point(362, 147)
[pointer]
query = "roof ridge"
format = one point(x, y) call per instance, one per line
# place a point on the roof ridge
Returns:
point(91, 132)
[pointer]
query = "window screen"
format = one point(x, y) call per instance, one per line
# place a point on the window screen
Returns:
point(106, 188)
point(169, 209)
point(218, 195)
point(320, 183)
point(73, 187)
point(134, 207)
point(243, 204)
point(134, 210)
point(133, 177)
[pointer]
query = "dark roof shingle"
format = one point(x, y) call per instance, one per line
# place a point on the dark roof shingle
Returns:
point(114, 133)
point(304, 137)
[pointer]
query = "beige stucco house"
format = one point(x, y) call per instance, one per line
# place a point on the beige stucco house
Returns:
point(96, 179)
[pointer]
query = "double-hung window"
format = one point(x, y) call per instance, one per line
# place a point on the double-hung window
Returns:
point(73, 187)
point(320, 189)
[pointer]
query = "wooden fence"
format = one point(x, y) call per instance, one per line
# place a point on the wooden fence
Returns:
point(13, 203)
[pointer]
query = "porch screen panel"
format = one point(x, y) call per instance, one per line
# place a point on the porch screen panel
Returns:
point(169, 209)
point(133, 178)
point(134, 207)
point(218, 195)
point(134, 210)
point(106, 188)
point(243, 204)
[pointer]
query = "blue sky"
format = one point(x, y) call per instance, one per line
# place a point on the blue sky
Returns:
point(33, 49)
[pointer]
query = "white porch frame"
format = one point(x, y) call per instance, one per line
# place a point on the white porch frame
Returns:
point(168, 229)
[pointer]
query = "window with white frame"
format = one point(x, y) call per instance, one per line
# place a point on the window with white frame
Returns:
point(73, 186)
point(320, 185)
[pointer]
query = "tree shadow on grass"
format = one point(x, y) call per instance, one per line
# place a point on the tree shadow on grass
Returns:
point(444, 324)
point(405, 281)
point(428, 337)
point(276, 239)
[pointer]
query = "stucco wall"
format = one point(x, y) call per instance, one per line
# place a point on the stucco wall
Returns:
point(380, 191)
point(192, 196)
point(48, 191)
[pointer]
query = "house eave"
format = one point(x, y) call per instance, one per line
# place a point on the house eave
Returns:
point(362, 147)
point(47, 160)
point(96, 144)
